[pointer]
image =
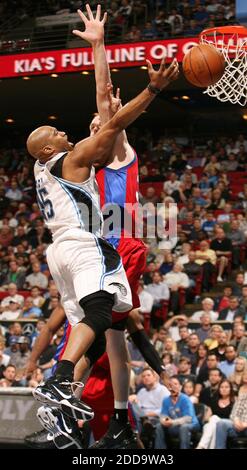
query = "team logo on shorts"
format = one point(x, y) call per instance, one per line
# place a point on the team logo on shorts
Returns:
point(121, 287)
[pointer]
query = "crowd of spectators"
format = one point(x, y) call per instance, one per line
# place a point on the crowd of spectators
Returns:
point(204, 351)
point(136, 20)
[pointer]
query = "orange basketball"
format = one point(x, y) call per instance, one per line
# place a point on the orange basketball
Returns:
point(203, 65)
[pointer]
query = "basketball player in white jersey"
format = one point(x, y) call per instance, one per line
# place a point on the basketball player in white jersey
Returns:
point(86, 269)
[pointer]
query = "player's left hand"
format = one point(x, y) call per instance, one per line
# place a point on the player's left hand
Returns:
point(115, 101)
point(94, 27)
point(163, 76)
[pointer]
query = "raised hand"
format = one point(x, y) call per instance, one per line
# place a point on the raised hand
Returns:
point(162, 77)
point(115, 101)
point(94, 27)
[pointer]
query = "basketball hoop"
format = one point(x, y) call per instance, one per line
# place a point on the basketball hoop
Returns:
point(231, 41)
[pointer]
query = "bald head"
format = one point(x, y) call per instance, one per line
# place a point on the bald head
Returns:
point(38, 139)
point(46, 141)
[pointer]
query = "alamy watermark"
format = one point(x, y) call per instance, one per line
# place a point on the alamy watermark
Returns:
point(151, 221)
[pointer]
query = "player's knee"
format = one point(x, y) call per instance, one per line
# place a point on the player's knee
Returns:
point(98, 311)
point(96, 349)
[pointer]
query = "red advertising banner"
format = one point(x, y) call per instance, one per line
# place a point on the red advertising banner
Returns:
point(77, 60)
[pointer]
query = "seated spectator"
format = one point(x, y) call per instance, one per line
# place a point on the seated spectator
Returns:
point(14, 331)
point(189, 390)
point(15, 275)
point(177, 418)
point(173, 326)
point(29, 310)
point(160, 22)
point(209, 224)
point(167, 264)
point(184, 256)
point(223, 341)
point(12, 312)
point(215, 333)
point(225, 217)
point(233, 311)
point(47, 308)
point(13, 295)
point(237, 238)
point(176, 22)
point(38, 328)
point(223, 301)
point(9, 379)
point(217, 201)
point(204, 331)
point(203, 375)
point(227, 367)
point(146, 299)
point(184, 334)
point(206, 258)
point(238, 284)
point(38, 300)
point(159, 292)
point(223, 249)
point(193, 29)
point(235, 426)
point(207, 307)
point(219, 409)
point(20, 236)
point(176, 280)
point(197, 197)
point(148, 33)
point(189, 223)
point(240, 340)
point(193, 270)
point(192, 351)
point(171, 347)
point(21, 356)
point(196, 231)
point(169, 366)
point(134, 35)
point(184, 371)
point(36, 378)
point(14, 193)
point(243, 298)
point(148, 401)
point(37, 278)
point(210, 392)
point(201, 362)
point(159, 339)
point(173, 184)
point(236, 378)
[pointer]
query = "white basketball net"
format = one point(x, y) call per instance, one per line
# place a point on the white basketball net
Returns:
point(232, 86)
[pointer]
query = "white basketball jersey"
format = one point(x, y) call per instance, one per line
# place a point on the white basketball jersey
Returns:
point(66, 205)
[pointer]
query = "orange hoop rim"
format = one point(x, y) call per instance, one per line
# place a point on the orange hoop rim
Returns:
point(233, 29)
point(229, 31)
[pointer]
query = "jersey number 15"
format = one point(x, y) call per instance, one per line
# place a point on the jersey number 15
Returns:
point(45, 204)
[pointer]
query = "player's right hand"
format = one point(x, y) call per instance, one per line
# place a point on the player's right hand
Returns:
point(162, 77)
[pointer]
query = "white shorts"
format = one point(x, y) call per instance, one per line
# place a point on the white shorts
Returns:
point(81, 265)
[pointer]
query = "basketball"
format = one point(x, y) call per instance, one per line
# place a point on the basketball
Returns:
point(203, 65)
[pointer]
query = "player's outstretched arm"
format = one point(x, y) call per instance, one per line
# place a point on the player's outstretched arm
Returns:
point(98, 147)
point(94, 34)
